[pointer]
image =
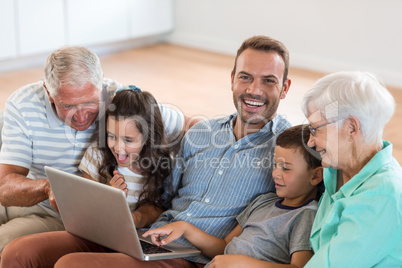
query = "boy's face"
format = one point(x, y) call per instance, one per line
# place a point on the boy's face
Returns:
point(291, 175)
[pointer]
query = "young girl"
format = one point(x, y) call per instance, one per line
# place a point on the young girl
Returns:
point(274, 230)
point(132, 153)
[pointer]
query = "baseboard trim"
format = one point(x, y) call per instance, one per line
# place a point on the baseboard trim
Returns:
point(307, 62)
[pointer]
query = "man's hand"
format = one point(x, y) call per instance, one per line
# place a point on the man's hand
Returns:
point(52, 201)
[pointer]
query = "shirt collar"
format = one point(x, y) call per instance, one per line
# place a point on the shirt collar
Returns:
point(271, 126)
point(380, 159)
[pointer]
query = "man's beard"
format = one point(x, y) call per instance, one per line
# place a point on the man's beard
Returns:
point(257, 118)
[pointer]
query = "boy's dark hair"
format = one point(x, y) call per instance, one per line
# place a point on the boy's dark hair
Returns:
point(296, 138)
point(143, 109)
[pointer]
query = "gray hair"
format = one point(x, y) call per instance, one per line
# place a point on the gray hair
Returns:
point(73, 66)
point(359, 94)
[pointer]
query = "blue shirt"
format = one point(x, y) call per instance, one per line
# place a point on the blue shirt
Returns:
point(216, 177)
point(360, 225)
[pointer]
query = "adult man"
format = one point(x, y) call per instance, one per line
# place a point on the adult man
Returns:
point(50, 123)
point(223, 164)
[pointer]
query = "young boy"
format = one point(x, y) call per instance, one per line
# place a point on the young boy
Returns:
point(274, 228)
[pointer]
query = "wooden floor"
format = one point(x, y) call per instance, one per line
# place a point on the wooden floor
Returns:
point(195, 81)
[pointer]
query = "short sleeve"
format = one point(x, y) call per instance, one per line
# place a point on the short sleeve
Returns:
point(17, 144)
point(173, 121)
point(91, 162)
point(300, 233)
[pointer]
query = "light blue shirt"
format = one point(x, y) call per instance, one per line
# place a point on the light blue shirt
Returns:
point(360, 225)
point(216, 177)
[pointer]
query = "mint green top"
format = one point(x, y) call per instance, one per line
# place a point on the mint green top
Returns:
point(360, 225)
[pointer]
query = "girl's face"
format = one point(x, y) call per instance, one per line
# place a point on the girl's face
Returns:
point(124, 140)
point(292, 176)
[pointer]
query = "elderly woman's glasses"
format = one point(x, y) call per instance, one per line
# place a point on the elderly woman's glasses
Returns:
point(313, 129)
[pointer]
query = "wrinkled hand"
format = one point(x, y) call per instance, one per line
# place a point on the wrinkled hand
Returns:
point(52, 201)
point(118, 182)
point(173, 231)
point(229, 260)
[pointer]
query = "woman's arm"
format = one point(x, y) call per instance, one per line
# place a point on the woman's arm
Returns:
point(368, 229)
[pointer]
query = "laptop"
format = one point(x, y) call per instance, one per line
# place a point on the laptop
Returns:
point(100, 213)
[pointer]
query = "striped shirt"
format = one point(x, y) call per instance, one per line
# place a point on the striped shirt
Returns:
point(33, 135)
point(215, 177)
point(135, 185)
point(91, 162)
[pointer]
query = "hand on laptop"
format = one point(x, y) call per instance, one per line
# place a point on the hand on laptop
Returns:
point(173, 231)
point(52, 201)
point(119, 182)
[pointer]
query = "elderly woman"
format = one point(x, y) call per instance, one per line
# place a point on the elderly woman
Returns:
point(359, 220)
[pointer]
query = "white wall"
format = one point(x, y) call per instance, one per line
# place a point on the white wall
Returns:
point(30, 30)
point(322, 35)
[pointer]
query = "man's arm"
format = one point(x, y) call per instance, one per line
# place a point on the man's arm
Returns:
point(189, 122)
point(18, 190)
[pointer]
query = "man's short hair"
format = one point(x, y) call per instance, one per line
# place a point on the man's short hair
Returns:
point(266, 44)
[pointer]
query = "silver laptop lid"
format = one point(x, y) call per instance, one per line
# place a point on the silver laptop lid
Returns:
point(100, 213)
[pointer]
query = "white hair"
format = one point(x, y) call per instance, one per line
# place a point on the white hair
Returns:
point(359, 94)
point(73, 66)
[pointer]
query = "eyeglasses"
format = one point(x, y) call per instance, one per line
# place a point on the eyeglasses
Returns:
point(313, 129)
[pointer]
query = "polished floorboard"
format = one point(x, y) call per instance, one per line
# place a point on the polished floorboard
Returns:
point(195, 81)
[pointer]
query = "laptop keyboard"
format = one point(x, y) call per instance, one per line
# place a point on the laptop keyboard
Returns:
point(149, 248)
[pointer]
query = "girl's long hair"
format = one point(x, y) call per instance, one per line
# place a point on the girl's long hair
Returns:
point(154, 159)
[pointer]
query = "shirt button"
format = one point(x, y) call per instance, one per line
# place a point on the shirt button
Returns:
point(207, 200)
point(188, 214)
point(220, 172)
point(236, 146)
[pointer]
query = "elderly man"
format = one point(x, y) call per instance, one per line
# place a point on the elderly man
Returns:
point(50, 123)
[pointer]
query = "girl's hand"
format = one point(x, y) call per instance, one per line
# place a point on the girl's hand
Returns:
point(173, 231)
point(118, 182)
